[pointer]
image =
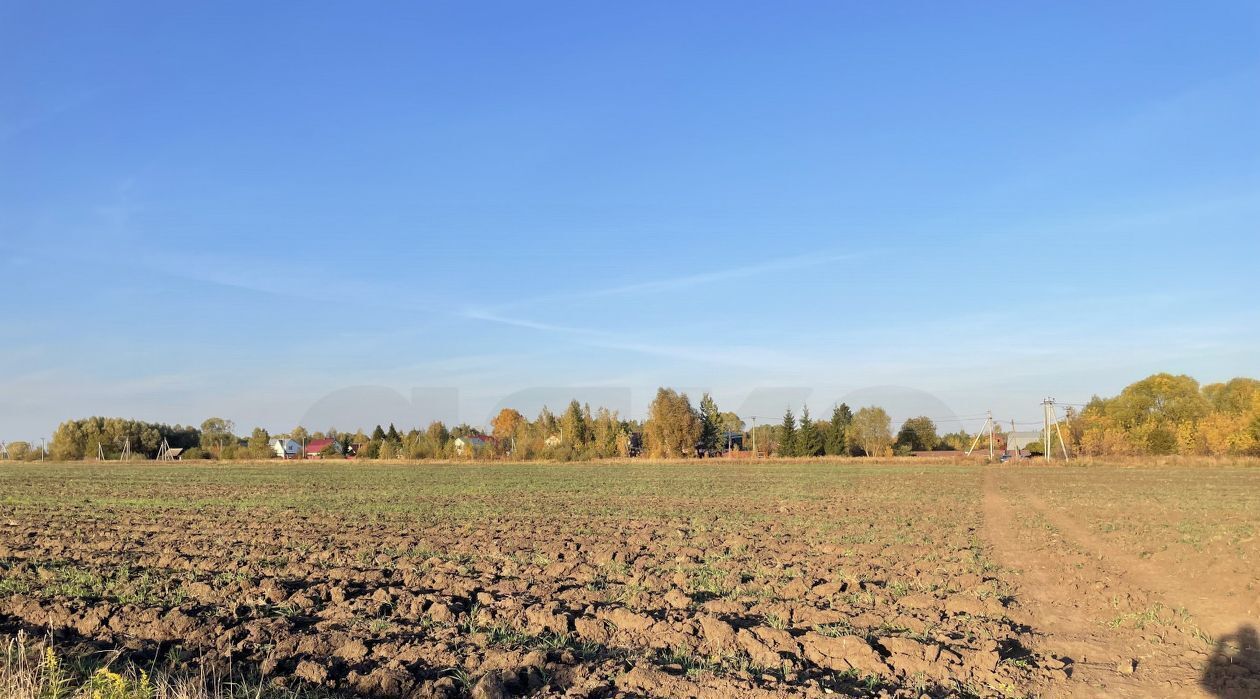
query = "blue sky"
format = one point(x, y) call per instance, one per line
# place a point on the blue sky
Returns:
point(235, 209)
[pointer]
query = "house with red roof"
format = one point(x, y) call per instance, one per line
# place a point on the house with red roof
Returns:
point(315, 447)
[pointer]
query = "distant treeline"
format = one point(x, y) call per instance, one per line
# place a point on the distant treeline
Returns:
point(1166, 414)
point(78, 439)
point(1161, 414)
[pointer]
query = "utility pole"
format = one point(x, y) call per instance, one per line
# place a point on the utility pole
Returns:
point(1051, 417)
point(43, 448)
point(988, 425)
point(756, 454)
point(1062, 443)
point(990, 412)
point(1047, 406)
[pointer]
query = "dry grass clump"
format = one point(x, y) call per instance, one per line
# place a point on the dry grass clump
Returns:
point(1167, 461)
point(35, 670)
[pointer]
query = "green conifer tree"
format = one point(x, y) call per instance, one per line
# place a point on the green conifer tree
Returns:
point(710, 423)
point(787, 435)
point(809, 441)
point(837, 442)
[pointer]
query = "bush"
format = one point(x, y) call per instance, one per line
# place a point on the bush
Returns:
point(561, 452)
point(19, 451)
point(329, 452)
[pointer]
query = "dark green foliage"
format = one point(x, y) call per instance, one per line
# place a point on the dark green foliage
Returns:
point(809, 440)
point(917, 434)
point(787, 435)
point(710, 424)
point(836, 442)
point(77, 439)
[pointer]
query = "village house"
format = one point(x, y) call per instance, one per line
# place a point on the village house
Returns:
point(286, 448)
point(315, 448)
point(472, 443)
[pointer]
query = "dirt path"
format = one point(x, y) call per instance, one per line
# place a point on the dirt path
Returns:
point(1118, 628)
point(1214, 615)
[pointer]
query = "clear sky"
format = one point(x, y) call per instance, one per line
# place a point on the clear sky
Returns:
point(235, 209)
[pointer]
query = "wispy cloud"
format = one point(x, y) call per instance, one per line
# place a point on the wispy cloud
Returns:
point(685, 281)
point(745, 356)
point(679, 282)
point(495, 317)
point(1120, 139)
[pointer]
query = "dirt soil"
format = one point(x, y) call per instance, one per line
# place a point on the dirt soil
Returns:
point(709, 580)
point(1177, 620)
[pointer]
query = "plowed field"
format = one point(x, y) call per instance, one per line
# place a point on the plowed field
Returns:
point(707, 579)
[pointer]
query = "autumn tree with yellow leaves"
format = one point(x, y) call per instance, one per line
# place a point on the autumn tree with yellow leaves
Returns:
point(1167, 414)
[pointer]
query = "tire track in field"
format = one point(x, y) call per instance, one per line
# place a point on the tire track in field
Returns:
point(1071, 599)
point(1212, 614)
